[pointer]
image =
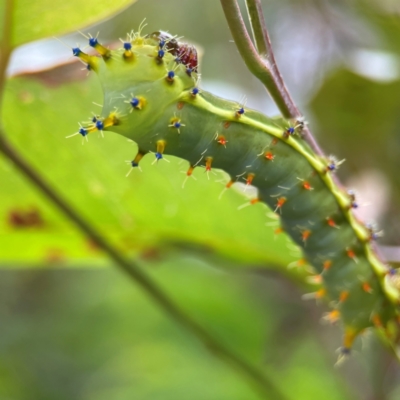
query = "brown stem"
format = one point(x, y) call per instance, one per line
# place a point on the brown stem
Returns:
point(263, 65)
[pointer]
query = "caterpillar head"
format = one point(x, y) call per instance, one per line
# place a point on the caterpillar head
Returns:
point(140, 79)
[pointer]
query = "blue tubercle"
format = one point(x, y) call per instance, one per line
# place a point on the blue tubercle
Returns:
point(134, 102)
point(159, 156)
point(171, 75)
point(161, 53)
point(76, 51)
point(83, 132)
point(99, 125)
point(93, 42)
point(127, 46)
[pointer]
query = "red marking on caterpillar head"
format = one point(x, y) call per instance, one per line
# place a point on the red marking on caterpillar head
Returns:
point(186, 54)
point(269, 156)
point(226, 124)
point(180, 105)
point(367, 287)
point(343, 296)
point(306, 185)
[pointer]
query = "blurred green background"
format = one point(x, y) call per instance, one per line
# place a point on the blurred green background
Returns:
point(71, 327)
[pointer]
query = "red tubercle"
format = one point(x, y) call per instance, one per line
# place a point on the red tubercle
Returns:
point(331, 222)
point(306, 185)
point(269, 156)
point(221, 140)
point(351, 254)
point(280, 202)
point(366, 287)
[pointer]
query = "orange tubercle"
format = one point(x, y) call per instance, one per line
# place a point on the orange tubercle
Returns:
point(208, 163)
point(320, 293)
point(343, 296)
point(327, 264)
point(180, 105)
point(190, 170)
point(377, 321)
point(254, 201)
point(227, 124)
point(332, 316)
point(305, 235)
point(367, 287)
point(249, 178)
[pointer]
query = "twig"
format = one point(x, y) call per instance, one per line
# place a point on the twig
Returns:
point(262, 63)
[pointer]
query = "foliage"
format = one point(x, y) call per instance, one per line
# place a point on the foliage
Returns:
point(150, 217)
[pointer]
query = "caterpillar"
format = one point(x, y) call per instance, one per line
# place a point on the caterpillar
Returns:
point(152, 96)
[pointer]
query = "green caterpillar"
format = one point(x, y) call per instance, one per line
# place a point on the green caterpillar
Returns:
point(151, 96)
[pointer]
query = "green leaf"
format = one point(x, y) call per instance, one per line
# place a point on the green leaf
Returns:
point(92, 335)
point(138, 213)
point(38, 19)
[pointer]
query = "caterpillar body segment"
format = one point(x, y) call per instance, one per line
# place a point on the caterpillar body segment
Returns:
point(152, 98)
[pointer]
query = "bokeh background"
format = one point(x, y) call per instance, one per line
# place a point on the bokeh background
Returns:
point(73, 327)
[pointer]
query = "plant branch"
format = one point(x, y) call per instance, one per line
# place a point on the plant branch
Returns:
point(261, 62)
